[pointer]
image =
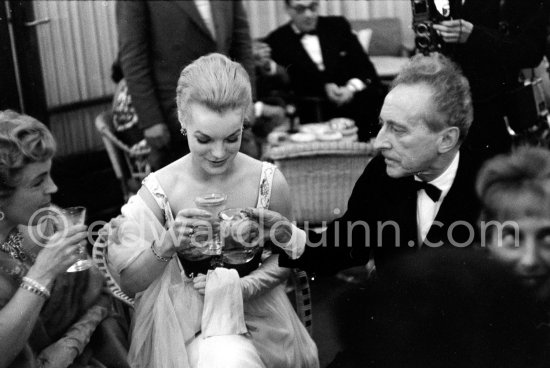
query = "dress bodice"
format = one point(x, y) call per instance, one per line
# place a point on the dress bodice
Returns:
point(201, 264)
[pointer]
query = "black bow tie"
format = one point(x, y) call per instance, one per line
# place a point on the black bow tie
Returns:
point(313, 32)
point(431, 190)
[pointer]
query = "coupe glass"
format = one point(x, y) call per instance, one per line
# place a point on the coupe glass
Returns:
point(235, 249)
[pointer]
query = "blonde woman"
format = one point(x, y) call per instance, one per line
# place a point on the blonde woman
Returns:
point(188, 315)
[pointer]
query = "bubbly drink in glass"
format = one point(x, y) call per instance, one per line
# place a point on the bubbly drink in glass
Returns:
point(236, 250)
point(213, 203)
point(76, 216)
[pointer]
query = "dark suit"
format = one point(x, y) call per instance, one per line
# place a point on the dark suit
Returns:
point(378, 198)
point(491, 59)
point(343, 58)
point(157, 39)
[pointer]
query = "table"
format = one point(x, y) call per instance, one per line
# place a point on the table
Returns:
point(280, 136)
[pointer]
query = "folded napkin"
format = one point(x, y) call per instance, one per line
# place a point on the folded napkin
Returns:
point(223, 312)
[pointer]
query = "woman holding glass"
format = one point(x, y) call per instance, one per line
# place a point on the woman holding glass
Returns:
point(189, 312)
point(515, 192)
point(48, 317)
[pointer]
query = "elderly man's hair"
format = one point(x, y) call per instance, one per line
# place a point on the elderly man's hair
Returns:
point(518, 182)
point(215, 82)
point(23, 140)
point(451, 90)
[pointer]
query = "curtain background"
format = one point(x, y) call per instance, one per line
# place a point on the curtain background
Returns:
point(79, 44)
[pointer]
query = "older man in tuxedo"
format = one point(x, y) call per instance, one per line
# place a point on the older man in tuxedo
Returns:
point(416, 195)
point(330, 73)
point(157, 39)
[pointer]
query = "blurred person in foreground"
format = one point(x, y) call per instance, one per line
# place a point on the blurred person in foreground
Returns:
point(515, 192)
point(411, 197)
point(189, 310)
point(445, 308)
point(49, 318)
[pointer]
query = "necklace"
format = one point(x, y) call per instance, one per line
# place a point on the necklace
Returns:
point(13, 247)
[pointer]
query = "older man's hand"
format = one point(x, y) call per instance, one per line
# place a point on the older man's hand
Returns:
point(272, 225)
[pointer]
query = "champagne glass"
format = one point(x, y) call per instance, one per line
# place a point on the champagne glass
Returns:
point(235, 249)
point(76, 216)
point(213, 203)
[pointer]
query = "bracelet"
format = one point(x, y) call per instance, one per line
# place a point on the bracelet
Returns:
point(159, 257)
point(35, 287)
point(35, 284)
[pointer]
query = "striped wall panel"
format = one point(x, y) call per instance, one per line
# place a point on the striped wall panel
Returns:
point(79, 45)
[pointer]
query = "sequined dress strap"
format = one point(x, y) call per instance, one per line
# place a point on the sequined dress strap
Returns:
point(152, 184)
point(266, 183)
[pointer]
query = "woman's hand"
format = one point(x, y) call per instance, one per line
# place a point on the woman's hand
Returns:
point(188, 224)
point(59, 253)
point(199, 283)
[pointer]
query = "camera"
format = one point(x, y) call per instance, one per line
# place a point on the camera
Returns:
point(425, 14)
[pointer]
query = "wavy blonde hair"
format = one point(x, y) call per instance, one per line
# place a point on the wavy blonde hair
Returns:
point(23, 140)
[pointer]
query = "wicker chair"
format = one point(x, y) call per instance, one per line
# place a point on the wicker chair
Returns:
point(129, 163)
point(298, 280)
point(321, 176)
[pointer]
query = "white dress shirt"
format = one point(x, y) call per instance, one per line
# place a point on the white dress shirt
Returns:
point(205, 11)
point(312, 45)
point(313, 48)
point(426, 209)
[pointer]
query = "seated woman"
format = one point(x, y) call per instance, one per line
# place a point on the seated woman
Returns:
point(48, 318)
point(515, 192)
point(187, 315)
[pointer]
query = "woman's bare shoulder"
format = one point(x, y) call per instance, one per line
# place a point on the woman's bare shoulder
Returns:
point(171, 174)
point(248, 164)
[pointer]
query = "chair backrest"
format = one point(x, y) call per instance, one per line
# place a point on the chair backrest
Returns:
point(129, 163)
point(99, 256)
point(303, 298)
point(386, 38)
point(321, 176)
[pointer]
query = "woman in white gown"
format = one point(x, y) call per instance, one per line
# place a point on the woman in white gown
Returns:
point(187, 315)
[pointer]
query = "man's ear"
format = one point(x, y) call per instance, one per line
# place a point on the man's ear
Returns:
point(448, 139)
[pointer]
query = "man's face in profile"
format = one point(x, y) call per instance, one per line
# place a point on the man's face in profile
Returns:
point(303, 14)
point(408, 145)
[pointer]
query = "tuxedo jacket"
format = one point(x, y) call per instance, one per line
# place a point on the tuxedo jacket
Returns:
point(343, 57)
point(492, 58)
point(157, 39)
point(382, 216)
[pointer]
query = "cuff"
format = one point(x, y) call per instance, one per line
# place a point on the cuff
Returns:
point(356, 85)
point(258, 109)
point(271, 68)
point(297, 243)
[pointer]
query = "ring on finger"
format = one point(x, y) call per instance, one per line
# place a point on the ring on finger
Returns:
point(191, 230)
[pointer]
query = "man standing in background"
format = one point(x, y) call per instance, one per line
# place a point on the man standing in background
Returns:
point(157, 39)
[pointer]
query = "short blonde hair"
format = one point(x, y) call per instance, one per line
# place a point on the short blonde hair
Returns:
point(23, 140)
point(515, 183)
point(215, 82)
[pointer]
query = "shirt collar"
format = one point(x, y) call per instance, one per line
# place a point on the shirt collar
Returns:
point(446, 179)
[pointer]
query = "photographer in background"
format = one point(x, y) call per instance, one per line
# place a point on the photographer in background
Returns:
point(492, 40)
